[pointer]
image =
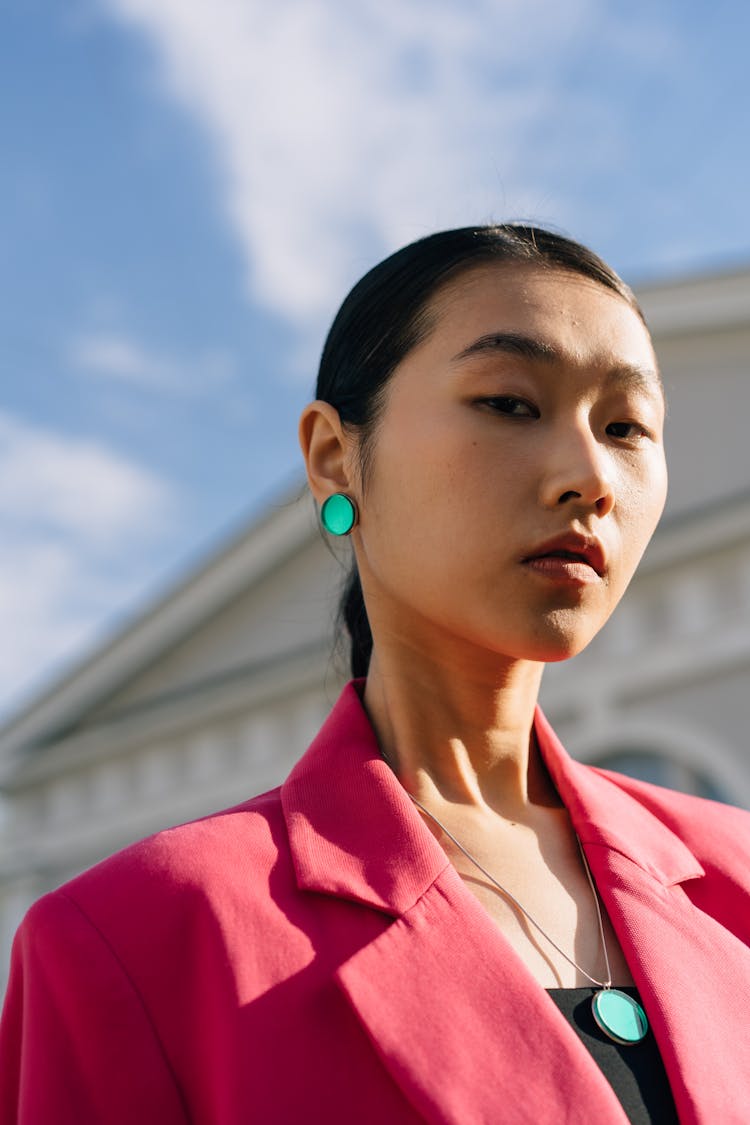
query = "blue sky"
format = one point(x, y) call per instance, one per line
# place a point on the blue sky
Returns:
point(189, 189)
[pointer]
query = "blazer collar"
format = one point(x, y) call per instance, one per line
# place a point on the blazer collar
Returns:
point(350, 838)
point(604, 814)
point(350, 823)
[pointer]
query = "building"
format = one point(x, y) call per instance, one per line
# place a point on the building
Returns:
point(212, 694)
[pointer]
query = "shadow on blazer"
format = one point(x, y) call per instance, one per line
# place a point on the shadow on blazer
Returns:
point(311, 956)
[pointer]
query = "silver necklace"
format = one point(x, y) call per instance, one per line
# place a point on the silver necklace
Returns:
point(618, 1015)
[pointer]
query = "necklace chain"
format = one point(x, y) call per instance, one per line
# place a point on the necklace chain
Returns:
point(607, 984)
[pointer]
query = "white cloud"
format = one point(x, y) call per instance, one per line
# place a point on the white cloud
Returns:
point(116, 356)
point(51, 600)
point(55, 598)
point(75, 487)
point(77, 523)
point(343, 130)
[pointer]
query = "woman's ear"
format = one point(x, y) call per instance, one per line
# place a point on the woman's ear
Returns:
point(327, 450)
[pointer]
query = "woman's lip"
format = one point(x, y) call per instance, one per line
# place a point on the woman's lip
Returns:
point(557, 568)
point(587, 548)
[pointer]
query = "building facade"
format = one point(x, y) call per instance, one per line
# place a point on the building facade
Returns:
point(212, 695)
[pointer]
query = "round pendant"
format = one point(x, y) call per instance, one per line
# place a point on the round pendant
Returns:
point(619, 1016)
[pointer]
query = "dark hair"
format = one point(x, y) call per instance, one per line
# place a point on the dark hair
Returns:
point(387, 314)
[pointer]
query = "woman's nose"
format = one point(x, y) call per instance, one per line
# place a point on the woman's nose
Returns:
point(579, 472)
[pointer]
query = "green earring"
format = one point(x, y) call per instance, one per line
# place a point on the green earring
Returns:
point(338, 514)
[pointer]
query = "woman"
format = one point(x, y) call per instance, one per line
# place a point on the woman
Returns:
point(423, 923)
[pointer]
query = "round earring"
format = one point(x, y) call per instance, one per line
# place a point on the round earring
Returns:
point(338, 514)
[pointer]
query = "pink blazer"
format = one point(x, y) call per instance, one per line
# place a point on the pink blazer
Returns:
point(311, 956)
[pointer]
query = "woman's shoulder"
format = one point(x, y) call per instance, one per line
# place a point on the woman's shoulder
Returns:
point(197, 846)
point(211, 860)
point(122, 959)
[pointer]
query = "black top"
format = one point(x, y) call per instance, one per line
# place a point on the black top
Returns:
point(635, 1072)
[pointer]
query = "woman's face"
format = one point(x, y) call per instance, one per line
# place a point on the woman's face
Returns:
point(518, 468)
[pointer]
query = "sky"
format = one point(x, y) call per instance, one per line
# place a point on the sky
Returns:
point(189, 189)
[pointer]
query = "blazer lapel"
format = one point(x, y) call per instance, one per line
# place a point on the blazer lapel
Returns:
point(450, 1009)
point(462, 1027)
point(687, 966)
point(689, 969)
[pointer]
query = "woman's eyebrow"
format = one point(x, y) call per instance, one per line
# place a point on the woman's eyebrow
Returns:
point(627, 376)
point(631, 377)
point(513, 343)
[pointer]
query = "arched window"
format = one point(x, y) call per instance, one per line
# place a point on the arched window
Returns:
point(660, 770)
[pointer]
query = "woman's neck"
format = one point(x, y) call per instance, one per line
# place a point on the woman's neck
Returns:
point(456, 739)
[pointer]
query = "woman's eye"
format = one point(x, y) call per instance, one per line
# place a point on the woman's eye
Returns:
point(627, 431)
point(507, 404)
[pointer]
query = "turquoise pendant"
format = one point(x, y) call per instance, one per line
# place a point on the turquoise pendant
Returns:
point(619, 1016)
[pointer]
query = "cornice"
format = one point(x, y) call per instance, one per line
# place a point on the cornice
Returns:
point(287, 527)
point(691, 535)
point(198, 706)
point(691, 305)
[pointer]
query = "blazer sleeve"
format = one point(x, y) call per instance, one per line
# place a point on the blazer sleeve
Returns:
point(77, 1046)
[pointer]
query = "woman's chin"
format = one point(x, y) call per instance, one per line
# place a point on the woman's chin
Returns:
point(557, 645)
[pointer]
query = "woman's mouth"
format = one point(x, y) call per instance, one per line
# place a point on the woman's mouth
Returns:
point(571, 557)
point(563, 566)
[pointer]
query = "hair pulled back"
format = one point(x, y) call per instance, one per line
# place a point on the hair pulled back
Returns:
point(387, 314)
